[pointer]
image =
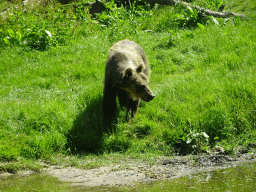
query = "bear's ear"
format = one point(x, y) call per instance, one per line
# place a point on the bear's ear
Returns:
point(128, 72)
point(140, 69)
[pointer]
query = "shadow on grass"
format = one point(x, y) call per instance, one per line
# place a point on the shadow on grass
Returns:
point(88, 129)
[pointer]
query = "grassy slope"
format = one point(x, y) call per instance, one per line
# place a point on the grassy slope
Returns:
point(203, 79)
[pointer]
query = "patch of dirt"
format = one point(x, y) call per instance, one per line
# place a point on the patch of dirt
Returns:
point(166, 169)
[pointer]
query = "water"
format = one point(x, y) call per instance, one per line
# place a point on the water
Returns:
point(238, 179)
point(35, 182)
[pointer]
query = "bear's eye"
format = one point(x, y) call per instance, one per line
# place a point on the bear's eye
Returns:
point(139, 69)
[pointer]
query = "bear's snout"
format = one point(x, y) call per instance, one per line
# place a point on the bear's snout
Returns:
point(148, 97)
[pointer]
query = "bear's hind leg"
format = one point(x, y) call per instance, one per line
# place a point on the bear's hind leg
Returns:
point(109, 103)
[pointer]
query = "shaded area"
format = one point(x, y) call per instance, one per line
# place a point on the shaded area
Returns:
point(89, 128)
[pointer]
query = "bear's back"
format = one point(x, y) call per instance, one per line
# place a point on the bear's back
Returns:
point(127, 45)
point(128, 50)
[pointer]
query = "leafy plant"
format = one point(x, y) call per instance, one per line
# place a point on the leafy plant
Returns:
point(43, 27)
point(197, 141)
point(38, 38)
point(191, 18)
point(12, 38)
point(120, 14)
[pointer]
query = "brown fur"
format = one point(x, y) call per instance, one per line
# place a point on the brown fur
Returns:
point(126, 76)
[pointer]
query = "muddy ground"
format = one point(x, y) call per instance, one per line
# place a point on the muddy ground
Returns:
point(132, 173)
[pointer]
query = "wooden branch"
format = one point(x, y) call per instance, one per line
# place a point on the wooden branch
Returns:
point(199, 9)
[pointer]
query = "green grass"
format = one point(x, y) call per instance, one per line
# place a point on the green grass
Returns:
point(50, 96)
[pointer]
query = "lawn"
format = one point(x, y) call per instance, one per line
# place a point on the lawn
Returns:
point(52, 63)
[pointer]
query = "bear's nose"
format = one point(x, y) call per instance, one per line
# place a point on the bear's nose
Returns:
point(150, 97)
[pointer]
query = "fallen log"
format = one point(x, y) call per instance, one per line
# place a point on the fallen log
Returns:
point(199, 9)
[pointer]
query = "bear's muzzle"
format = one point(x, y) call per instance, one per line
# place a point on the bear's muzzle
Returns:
point(148, 97)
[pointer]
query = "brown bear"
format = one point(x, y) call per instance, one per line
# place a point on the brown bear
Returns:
point(126, 76)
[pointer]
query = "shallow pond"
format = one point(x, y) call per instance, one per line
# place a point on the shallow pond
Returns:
point(240, 178)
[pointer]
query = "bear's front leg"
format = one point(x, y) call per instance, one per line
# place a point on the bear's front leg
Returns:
point(123, 98)
point(133, 106)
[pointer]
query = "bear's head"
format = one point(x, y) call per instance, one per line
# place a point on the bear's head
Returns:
point(137, 84)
